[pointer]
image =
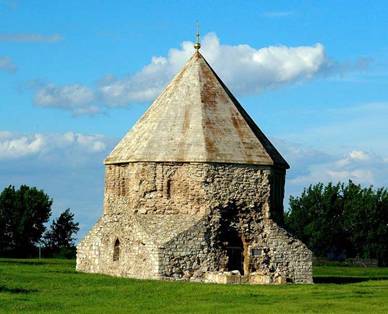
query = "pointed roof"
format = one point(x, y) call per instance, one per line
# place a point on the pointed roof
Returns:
point(196, 119)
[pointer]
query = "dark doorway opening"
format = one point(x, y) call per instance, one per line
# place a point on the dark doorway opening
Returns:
point(116, 251)
point(235, 252)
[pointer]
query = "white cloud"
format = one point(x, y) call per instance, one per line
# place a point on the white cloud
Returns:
point(244, 69)
point(92, 143)
point(357, 165)
point(15, 146)
point(77, 98)
point(67, 166)
point(30, 37)
point(310, 166)
point(358, 155)
point(358, 175)
point(7, 65)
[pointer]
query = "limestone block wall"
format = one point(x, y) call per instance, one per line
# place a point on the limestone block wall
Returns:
point(270, 254)
point(137, 258)
point(186, 256)
point(188, 188)
point(174, 220)
point(280, 255)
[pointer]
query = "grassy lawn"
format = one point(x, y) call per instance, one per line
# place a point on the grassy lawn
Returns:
point(53, 286)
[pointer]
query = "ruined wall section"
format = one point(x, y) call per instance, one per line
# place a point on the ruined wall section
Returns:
point(185, 188)
point(217, 199)
point(137, 255)
point(278, 255)
point(270, 254)
point(187, 256)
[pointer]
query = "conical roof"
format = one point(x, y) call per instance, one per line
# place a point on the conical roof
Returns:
point(196, 119)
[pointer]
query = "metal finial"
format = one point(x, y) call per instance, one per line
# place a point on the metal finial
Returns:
point(197, 44)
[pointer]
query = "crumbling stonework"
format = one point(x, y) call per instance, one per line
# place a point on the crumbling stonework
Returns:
point(183, 188)
point(195, 192)
point(173, 220)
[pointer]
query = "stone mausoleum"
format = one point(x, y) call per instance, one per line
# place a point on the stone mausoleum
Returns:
point(195, 192)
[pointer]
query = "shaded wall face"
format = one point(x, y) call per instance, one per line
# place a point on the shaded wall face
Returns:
point(276, 253)
point(232, 240)
point(277, 195)
point(189, 188)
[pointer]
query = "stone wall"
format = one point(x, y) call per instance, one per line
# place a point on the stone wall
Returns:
point(176, 221)
point(270, 254)
point(276, 254)
point(187, 188)
point(138, 256)
point(188, 255)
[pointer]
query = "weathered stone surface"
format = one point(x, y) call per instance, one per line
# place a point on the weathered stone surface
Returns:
point(196, 119)
point(173, 221)
point(195, 192)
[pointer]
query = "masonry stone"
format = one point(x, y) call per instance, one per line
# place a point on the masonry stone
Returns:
point(194, 192)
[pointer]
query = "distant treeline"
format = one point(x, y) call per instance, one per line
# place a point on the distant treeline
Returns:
point(339, 221)
point(23, 215)
point(335, 221)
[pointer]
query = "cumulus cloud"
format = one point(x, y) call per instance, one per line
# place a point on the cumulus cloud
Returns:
point(68, 166)
point(16, 146)
point(244, 69)
point(76, 98)
point(310, 166)
point(358, 155)
point(30, 38)
point(357, 165)
point(7, 65)
point(92, 143)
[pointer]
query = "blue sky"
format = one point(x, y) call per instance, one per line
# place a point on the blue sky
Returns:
point(76, 75)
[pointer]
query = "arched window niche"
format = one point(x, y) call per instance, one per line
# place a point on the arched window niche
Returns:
point(116, 250)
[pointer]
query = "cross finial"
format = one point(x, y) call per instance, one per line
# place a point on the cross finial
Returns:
point(197, 44)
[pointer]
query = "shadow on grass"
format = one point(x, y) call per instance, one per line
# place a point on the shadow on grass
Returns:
point(70, 271)
point(345, 280)
point(36, 262)
point(21, 262)
point(16, 290)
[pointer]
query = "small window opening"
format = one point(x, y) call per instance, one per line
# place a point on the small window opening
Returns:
point(168, 188)
point(116, 250)
point(256, 252)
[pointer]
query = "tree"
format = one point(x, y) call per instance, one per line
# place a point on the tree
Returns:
point(59, 239)
point(339, 221)
point(23, 214)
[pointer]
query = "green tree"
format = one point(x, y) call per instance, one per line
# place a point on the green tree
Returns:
point(23, 213)
point(342, 220)
point(59, 239)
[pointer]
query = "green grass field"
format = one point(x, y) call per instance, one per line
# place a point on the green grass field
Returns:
point(53, 286)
